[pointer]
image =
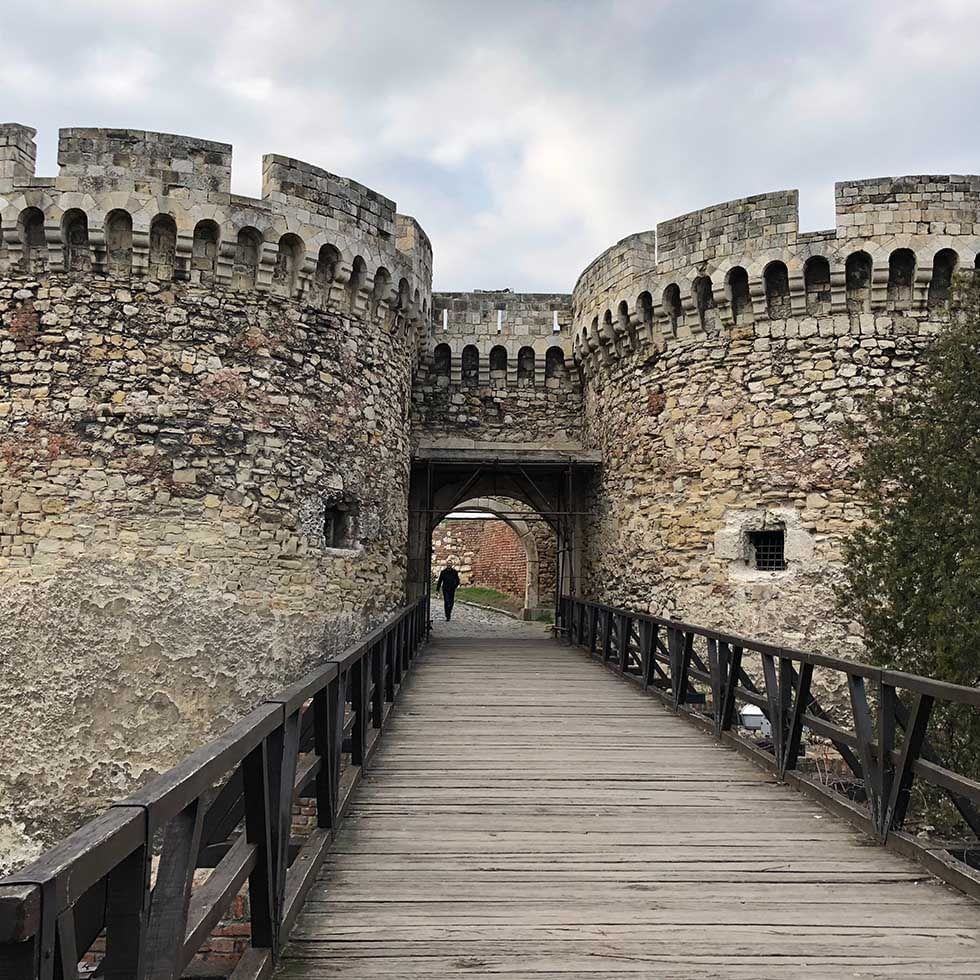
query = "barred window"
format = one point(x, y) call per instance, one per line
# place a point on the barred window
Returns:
point(768, 548)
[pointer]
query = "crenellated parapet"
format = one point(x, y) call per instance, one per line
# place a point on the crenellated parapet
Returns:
point(505, 333)
point(130, 204)
point(496, 367)
point(895, 248)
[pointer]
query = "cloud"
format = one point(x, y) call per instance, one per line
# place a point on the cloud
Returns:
point(525, 136)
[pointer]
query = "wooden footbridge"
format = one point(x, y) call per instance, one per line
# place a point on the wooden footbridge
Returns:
point(507, 805)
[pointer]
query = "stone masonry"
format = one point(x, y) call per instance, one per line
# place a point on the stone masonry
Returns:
point(209, 406)
point(716, 377)
point(204, 451)
point(497, 366)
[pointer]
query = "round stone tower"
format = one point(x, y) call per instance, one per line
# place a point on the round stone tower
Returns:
point(204, 449)
point(720, 352)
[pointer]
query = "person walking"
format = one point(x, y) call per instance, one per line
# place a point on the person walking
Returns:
point(447, 584)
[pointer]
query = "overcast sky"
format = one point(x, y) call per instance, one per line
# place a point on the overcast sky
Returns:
point(525, 136)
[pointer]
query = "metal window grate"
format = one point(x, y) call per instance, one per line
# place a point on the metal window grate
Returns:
point(768, 547)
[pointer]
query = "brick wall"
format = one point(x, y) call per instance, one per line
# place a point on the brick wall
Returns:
point(500, 561)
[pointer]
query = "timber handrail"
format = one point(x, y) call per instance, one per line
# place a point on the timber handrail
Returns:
point(227, 807)
point(705, 673)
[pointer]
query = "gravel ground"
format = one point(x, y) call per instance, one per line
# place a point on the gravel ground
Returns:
point(473, 621)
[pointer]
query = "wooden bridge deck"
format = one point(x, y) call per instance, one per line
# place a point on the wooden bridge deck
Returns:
point(530, 815)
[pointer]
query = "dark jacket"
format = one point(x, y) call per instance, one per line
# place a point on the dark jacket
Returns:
point(448, 580)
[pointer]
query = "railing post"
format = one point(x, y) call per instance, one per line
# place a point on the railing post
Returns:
point(258, 832)
point(648, 650)
point(282, 786)
point(127, 898)
point(377, 681)
point(359, 708)
point(871, 767)
point(389, 665)
point(396, 652)
point(673, 657)
point(731, 658)
point(606, 634)
point(171, 896)
point(625, 630)
point(325, 737)
point(715, 669)
point(20, 942)
point(886, 745)
point(680, 646)
point(801, 702)
point(775, 707)
point(901, 782)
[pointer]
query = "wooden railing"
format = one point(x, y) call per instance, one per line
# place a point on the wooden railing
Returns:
point(880, 732)
point(227, 807)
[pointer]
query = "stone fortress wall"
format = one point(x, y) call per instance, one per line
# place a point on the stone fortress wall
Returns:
point(719, 354)
point(204, 452)
point(208, 406)
point(497, 366)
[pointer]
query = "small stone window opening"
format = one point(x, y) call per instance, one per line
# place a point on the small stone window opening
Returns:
point(704, 297)
point(34, 243)
point(119, 243)
point(644, 305)
point(769, 550)
point(326, 269)
point(608, 334)
point(816, 280)
point(943, 267)
point(470, 365)
point(339, 525)
point(857, 282)
point(778, 299)
point(738, 287)
point(442, 361)
point(901, 277)
point(289, 261)
point(498, 365)
point(358, 278)
point(381, 291)
point(163, 247)
point(74, 236)
point(673, 307)
point(204, 251)
point(248, 255)
point(404, 298)
point(525, 367)
point(625, 323)
point(554, 367)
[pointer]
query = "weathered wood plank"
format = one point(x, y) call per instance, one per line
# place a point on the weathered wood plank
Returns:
point(530, 815)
